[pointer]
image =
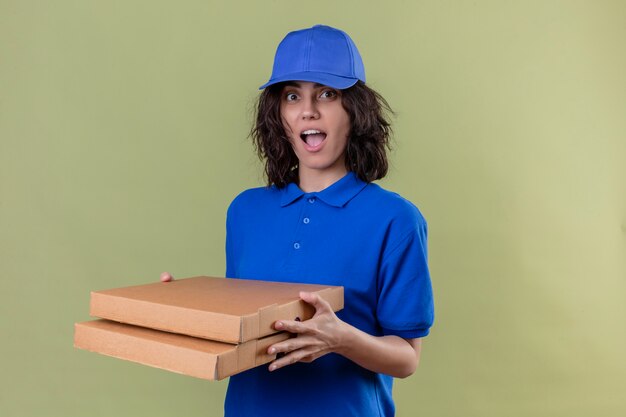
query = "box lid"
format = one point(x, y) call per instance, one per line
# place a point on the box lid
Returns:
point(227, 310)
point(178, 353)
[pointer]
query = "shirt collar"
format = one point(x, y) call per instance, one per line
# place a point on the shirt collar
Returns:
point(338, 194)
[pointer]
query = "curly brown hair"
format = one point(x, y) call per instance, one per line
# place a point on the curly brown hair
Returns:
point(369, 140)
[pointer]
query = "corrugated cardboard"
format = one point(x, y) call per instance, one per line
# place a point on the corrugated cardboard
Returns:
point(226, 310)
point(178, 353)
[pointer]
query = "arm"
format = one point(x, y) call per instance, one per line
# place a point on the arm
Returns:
point(325, 333)
point(391, 355)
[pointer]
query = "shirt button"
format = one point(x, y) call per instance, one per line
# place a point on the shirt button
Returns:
point(312, 200)
point(306, 220)
point(296, 245)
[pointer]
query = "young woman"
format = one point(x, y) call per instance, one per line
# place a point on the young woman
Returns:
point(323, 136)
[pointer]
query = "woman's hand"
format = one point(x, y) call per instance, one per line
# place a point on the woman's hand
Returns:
point(321, 334)
point(166, 277)
point(325, 333)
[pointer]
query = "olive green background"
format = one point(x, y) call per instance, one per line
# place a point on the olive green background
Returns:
point(123, 138)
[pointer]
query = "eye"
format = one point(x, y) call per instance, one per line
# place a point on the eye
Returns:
point(328, 94)
point(291, 96)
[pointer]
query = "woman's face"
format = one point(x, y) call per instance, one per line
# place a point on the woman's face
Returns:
point(317, 126)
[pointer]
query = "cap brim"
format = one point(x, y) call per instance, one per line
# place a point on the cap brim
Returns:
point(330, 80)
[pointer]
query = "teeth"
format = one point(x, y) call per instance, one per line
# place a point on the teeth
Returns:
point(311, 132)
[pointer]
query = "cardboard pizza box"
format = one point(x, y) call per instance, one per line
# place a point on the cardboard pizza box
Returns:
point(178, 353)
point(225, 310)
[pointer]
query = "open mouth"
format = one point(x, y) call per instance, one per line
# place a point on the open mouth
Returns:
point(313, 137)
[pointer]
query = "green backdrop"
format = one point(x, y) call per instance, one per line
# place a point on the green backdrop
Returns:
point(123, 138)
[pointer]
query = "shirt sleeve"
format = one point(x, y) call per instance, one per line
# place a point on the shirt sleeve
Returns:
point(405, 305)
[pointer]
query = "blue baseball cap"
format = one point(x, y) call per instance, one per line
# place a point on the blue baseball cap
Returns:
point(320, 54)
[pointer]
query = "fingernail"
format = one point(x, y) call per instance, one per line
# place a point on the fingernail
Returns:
point(272, 350)
point(272, 367)
point(279, 324)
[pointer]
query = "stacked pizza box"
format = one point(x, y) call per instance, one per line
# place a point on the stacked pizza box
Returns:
point(207, 327)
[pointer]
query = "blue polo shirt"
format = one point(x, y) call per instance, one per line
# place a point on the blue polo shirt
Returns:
point(355, 234)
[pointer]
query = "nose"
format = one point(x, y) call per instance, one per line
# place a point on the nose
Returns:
point(309, 109)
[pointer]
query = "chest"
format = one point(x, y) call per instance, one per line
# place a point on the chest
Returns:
point(309, 241)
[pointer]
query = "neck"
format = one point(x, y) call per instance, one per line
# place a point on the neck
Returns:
point(312, 180)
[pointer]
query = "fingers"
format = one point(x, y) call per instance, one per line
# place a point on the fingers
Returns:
point(292, 358)
point(291, 326)
point(292, 344)
point(316, 301)
point(311, 358)
point(166, 277)
point(321, 307)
